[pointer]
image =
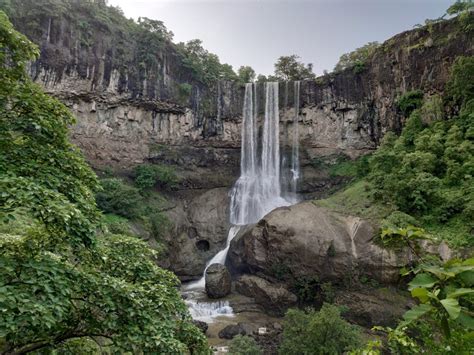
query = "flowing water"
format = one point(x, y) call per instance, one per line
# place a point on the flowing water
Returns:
point(258, 189)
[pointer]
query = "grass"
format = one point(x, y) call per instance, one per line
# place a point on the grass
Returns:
point(356, 200)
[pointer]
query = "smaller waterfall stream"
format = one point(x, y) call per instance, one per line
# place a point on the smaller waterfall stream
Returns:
point(258, 190)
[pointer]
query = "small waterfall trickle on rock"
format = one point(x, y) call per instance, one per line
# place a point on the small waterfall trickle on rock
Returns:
point(258, 190)
point(295, 147)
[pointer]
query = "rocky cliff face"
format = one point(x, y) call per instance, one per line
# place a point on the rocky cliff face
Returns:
point(128, 113)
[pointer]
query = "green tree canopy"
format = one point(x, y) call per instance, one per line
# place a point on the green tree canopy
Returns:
point(290, 68)
point(63, 283)
point(246, 74)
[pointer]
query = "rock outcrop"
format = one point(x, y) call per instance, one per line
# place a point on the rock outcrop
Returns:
point(306, 240)
point(274, 298)
point(218, 282)
point(199, 226)
point(129, 113)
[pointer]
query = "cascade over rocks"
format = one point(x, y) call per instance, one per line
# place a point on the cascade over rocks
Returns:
point(218, 282)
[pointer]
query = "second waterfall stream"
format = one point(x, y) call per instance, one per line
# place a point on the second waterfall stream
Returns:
point(258, 190)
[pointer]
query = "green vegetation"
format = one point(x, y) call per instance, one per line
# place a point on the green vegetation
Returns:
point(205, 65)
point(423, 177)
point(150, 175)
point(409, 102)
point(246, 74)
point(65, 285)
point(356, 59)
point(118, 198)
point(318, 332)
point(244, 345)
point(442, 322)
point(290, 68)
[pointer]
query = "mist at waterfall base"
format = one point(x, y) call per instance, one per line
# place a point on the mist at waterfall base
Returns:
point(258, 190)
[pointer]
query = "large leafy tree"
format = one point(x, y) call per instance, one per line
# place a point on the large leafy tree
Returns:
point(246, 74)
point(63, 282)
point(290, 68)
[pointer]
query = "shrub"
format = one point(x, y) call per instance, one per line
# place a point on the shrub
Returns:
point(306, 288)
point(118, 198)
point(313, 332)
point(244, 345)
point(410, 101)
point(116, 224)
point(184, 91)
point(148, 175)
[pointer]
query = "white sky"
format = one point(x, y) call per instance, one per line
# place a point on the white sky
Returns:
point(257, 32)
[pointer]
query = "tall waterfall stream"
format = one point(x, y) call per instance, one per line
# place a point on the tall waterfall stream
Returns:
point(258, 190)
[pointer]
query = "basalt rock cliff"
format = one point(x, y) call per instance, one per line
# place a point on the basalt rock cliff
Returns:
point(128, 113)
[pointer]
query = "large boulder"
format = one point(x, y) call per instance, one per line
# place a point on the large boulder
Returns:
point(274, 298)
point(231, 331)
point(218, 282)
point(198, 230)
point(306, 240)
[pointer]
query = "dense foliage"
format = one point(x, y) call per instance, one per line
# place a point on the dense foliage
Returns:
point(150, 175)
point(317, 332)
point(290, 68)
point(244, 345)
point(64, 284)
point(428, 170)
point(357, 58)
point(138, 45)
point(246, 74)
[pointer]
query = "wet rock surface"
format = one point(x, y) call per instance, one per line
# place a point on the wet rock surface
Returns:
point(218, 282)
point(274, 298)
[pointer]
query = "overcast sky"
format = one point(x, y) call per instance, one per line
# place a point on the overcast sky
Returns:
point(257, 32)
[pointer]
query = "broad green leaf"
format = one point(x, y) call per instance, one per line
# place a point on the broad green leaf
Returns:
point(422, 280)
point(466, 320)
point(460, 292)
point(420, 293)
point(440, 272)
point(417, 312)
point(467, 277)
point(451, 305)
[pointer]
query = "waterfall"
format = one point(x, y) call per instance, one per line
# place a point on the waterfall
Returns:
point(258, 190)
point(295, 148)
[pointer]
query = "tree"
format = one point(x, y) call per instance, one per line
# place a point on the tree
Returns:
point(312, 332)
point(460, 6)
point(205, 65)
point(63, 283)
point(244, 345)
point(246, 74)
point(356, 58)
point(290, 68)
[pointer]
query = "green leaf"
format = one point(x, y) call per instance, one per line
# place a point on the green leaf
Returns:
point(417, 312)
point(466, 320)
point(451, 305)
point(467, 277)
point(422, 280)
point(460, 292)
point(420, 293)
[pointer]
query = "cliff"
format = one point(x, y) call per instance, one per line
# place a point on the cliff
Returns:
point(130, 111)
